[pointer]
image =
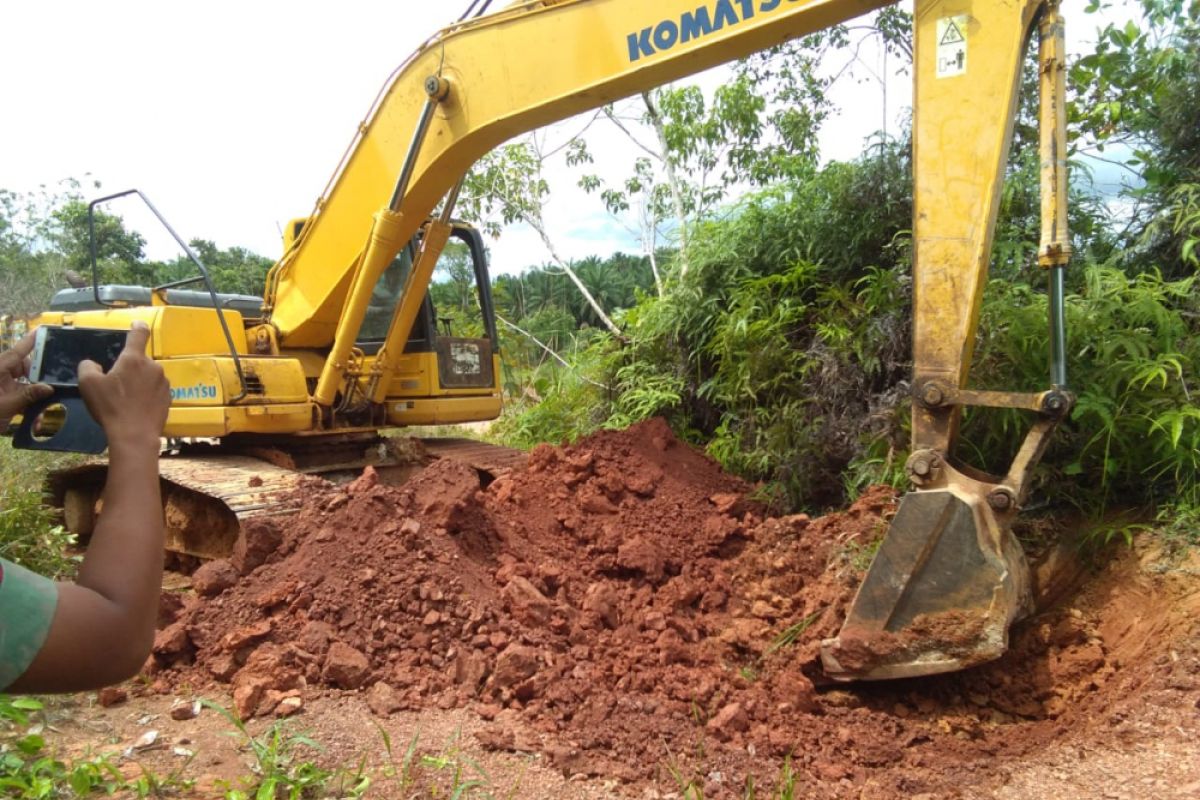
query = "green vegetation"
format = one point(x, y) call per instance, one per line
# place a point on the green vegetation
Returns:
point(691, 786)
point(784, 346)
point(29, 532)
point(278, 769)
point(283, 765)
point(1134, 434)
point(29, 770)
point(448, 773)
point(792, 633)
point(44, 234)
point(1179, 524)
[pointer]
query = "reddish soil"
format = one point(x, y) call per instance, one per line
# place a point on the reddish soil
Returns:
point(621, 607)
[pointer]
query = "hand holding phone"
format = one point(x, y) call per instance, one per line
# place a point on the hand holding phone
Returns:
point(109, 390)
point(58, 351)
point(15, 393)
point(132, 397)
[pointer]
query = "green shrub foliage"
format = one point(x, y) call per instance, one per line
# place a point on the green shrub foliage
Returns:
point(793, 371)
point(786, 348)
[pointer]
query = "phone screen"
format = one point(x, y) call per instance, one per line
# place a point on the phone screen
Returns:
point(58, 351)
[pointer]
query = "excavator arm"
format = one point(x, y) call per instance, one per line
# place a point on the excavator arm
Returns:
point(949, 577)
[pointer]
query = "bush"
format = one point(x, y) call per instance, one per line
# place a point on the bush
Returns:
point(1132, 346)
point(557, 404)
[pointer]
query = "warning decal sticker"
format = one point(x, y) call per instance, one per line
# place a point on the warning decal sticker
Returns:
point(952, 46)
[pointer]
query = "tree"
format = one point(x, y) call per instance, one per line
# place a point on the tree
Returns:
point(507, 186)
point(235, 270)
point(119, 252)
point(458, 273)
point(27, 277)
point(45, 233)
point(759, 128)
point(1136, 104)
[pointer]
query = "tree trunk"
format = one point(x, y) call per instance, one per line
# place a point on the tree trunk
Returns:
point(650, 244)
point(537, 224)
point(672, 180)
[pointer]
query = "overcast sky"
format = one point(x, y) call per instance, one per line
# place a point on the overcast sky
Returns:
point(232, 115)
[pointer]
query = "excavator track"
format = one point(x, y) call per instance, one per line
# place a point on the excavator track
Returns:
point(208, 494)
point(489, 459)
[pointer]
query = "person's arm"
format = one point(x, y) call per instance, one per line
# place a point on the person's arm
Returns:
point(103, 627)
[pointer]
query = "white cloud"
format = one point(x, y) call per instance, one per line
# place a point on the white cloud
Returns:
point(229, 115)
point(232, 115)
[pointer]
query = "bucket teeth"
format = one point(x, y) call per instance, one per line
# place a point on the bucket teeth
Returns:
point(940, 595)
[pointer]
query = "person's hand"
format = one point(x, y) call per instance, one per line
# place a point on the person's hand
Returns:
point(131, 401)
point(15, 394)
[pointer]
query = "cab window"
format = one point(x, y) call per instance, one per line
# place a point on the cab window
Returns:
point(384, 299)
point(455, 293)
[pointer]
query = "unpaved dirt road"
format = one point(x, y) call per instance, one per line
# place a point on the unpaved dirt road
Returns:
point(621, 614)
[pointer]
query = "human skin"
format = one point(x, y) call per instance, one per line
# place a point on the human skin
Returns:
point(104, 624)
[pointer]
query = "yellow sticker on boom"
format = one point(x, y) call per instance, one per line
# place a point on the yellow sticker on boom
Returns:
point(952, 46)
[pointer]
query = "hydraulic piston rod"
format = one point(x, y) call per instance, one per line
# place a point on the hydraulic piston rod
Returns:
point(1054, 251)
point(383, 243)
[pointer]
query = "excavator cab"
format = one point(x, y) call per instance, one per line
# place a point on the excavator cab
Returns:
point(462, 332)
point(383, 304)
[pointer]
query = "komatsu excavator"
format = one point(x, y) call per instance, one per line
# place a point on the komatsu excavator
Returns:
point(313, 370)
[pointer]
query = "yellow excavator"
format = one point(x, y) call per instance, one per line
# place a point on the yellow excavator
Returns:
point(344, 342)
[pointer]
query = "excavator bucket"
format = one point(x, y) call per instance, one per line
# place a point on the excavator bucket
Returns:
point(948, 580)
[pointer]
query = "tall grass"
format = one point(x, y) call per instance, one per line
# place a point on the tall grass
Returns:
point(30, 534)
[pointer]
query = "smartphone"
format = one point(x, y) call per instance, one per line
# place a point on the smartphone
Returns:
point(58, 350)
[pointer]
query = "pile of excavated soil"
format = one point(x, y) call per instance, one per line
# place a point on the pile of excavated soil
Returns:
point(621, 607)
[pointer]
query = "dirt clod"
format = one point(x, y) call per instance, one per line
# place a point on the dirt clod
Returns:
point(214, 577)
point(289, 706)
point(184, 709)
point(247, 634)
point(729, 720)
point(383, 700)
point(258, 539)
point(516, 664)
point(172, 641)
point(246, 699)
point(345, 667)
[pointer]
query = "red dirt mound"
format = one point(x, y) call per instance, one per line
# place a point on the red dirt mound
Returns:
point(623, 608)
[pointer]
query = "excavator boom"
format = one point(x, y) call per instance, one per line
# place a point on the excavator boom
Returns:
point(531, 64)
